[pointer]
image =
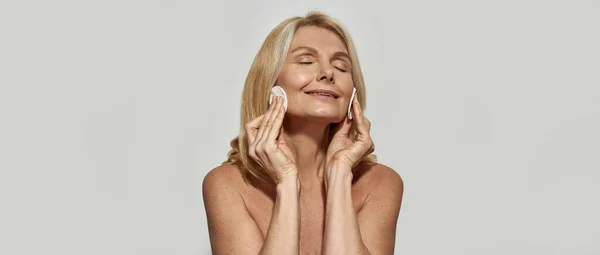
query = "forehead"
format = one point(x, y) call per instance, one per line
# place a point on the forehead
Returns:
point(318, 38)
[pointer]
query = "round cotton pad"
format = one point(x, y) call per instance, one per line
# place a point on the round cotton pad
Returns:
point(350, 104)
point(278, 91)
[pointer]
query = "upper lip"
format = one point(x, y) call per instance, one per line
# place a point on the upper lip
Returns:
point(335, 95)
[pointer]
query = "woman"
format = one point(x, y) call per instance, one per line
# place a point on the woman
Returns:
point(301, 180)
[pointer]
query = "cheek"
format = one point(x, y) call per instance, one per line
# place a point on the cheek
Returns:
point(298, 77)
point(345, 83)
point(305, 78)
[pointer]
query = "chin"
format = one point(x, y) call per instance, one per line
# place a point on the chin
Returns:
point(325, 117)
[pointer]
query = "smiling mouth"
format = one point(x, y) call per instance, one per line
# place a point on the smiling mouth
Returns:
point(321, 94)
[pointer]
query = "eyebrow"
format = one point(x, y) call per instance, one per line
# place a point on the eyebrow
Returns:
point(299, 48)
point(314, 51)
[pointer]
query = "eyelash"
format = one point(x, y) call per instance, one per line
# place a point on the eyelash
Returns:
point(308, 63)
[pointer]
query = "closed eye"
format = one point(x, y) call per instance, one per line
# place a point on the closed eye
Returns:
point(310, 62)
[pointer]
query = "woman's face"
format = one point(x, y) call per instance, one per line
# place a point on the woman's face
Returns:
point(317, 64)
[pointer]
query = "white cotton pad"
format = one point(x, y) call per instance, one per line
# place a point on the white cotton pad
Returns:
point(278, 91)
point(350, 104)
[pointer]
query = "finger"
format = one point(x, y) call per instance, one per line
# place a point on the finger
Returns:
point(343, 128)
point(262, 142)
point(263, 123)
point(276, 126)
point(270, 126)
point(281, 141)
point(356, 109)
point(362, 123)
point(280, 137)
point(252, 128)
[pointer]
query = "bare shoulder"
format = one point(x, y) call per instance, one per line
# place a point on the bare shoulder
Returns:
point(223, 178)
point(378, 217)
point(379, 179)
point(232, 230)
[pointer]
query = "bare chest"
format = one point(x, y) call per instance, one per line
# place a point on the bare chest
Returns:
point(312, 214)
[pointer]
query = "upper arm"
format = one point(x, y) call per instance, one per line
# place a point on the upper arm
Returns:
point(378, 217)
point(231, 228)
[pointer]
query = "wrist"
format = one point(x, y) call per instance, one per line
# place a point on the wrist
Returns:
point(339, 161)
point(338, 171)
point(288, 182)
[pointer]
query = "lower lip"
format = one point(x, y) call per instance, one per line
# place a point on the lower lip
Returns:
point(321, 97)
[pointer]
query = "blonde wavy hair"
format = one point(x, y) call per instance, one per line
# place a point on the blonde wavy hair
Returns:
point(263, 74)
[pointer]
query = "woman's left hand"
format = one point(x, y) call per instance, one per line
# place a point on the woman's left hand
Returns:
point(346, 152)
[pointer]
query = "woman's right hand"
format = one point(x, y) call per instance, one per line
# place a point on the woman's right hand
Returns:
point(266, 144)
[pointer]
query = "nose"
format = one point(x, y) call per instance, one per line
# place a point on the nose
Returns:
point(325, 74)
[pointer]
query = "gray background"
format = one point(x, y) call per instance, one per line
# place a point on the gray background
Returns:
point(112, 112)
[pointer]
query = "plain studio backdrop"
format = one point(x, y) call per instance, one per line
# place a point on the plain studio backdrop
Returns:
point(112, 112)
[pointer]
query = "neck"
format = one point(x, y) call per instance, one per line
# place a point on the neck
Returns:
point(308, 141)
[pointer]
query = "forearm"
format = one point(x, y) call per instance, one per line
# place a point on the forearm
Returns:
point(284, 230)
point(342, 234)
